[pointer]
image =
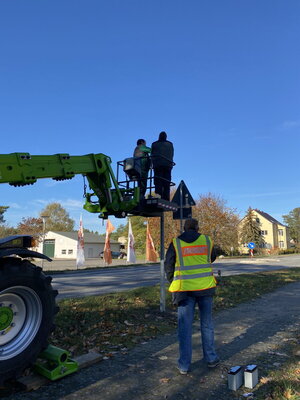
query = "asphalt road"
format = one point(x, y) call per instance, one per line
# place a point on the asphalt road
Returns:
point(108, 280)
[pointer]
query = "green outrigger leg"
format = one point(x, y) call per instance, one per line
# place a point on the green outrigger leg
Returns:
point(55, 363)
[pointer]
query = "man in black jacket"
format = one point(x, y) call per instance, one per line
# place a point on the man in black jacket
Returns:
point(162, 153)
point(187, 300)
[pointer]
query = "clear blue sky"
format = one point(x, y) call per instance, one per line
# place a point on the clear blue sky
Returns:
point(221, 77)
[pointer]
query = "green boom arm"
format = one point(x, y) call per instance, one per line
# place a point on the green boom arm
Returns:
point(19, 169)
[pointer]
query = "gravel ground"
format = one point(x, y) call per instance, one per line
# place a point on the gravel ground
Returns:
point(251, 333)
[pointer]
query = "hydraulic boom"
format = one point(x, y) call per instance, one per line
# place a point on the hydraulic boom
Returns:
point(106, 198)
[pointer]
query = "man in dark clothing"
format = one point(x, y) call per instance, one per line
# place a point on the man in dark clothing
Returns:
point(141, 154)
point(162, 153)
point(188, 269)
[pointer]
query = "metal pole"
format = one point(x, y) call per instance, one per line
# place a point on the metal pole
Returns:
point(181, 209)
point(162, 264)
point(44, 230)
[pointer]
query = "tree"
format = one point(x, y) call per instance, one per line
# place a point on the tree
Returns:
point(58, 218)
point(139, 232)
point(31, 226)
point(251, 230)
point(292, 219)
point(2, 211)
point(218, 221)
point(171, 230)
point(122, 230)
point(7, 231)
point(85, 230)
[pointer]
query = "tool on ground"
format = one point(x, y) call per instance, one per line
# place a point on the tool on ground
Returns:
point(55, 363)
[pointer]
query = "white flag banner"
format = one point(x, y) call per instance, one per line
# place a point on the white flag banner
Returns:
point(130, 245)
point(80, 246)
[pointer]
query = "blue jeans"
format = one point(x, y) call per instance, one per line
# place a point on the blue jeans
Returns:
point(186, 309)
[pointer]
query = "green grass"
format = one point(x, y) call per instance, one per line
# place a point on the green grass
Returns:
point(123, 319)
point(111, 322)
point(282, 383)
point(237, 289)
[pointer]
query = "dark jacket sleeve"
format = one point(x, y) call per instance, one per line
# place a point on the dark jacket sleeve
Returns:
point(213, 254)
point(170, 262)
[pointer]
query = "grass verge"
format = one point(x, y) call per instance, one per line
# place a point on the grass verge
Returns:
point(283, 383)
point(114, 323)
point(123, 319)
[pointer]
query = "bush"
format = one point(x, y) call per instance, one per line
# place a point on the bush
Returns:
point(293, 250)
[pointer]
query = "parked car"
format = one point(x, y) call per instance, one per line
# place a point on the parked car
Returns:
point(115, 254)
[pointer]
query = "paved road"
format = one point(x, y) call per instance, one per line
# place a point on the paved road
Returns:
point(107, 280)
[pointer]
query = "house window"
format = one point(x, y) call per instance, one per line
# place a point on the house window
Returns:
point(64, 252)
point(70, 251)
point(263, 232)
point(280, 232)
point(281, 244)
point(257, 220)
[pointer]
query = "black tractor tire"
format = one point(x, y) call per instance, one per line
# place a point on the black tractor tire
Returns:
point(27, 310)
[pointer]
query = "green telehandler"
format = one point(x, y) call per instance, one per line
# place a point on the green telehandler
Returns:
point(27, 298)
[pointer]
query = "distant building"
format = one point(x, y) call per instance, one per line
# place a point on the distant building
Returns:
point(276, 235)
point(64, 245)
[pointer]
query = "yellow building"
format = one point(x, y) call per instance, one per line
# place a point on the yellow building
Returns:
point(275, 234)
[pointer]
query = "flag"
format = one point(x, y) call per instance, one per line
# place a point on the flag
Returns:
point(151, 254)
point(80, 246)
point(107, 252)
point(130, 245)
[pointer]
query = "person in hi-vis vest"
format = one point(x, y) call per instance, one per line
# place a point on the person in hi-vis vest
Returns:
point(189, 271)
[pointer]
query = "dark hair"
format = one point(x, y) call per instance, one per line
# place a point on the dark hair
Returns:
point(162, 136)
point(140, 141)
point(191, 225)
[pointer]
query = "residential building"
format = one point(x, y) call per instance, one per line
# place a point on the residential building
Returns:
point(63, 245)
point(275, 234)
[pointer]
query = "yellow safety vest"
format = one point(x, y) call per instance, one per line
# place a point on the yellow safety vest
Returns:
point(193, 270)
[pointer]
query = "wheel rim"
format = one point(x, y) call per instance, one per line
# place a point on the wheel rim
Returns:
point(20, 319)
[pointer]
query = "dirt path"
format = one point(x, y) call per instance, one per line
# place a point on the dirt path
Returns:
point(249, 333)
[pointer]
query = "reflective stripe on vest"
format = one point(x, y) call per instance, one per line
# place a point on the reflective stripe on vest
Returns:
point(193, 269)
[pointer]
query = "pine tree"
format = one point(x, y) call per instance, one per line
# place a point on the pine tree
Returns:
point(2, 211)
point(251, 230)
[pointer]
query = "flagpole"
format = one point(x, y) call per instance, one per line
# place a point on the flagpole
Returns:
point(80, 259)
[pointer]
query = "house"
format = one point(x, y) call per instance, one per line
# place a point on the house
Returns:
point(275, 234)
point(64, 245)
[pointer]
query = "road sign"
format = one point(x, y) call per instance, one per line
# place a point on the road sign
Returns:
point(251, 245)
point(186, 213)
point(182, 196)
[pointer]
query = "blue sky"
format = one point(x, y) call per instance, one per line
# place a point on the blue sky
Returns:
point(221, 77)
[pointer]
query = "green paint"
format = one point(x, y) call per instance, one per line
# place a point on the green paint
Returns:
point(6, 317)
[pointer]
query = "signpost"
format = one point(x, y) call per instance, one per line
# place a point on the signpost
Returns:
point(251, 246)
point(184, 200)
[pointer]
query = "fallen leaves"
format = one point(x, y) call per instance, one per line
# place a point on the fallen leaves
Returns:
point(108, 322)
point(164, 380)
point(265, 379)
point(128, 323)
